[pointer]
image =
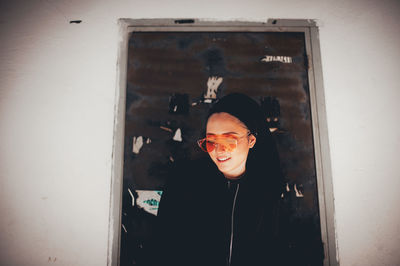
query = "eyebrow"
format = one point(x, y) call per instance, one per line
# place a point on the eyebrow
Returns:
point(226, 133)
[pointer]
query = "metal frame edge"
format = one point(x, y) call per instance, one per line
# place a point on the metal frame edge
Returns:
point(322, 156)
point(114, 233)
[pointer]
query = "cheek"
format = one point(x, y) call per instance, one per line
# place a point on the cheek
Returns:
point(213, 156)
point(242, 152)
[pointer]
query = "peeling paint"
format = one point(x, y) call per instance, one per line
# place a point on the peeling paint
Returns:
point(178, 135)
point(299, 193)
point(282, 59)
point(133, 198)
point(123, 227)
point(212, 88)
point(137, 144)
point(149, 200)
point(179, 103)
point(166, 128)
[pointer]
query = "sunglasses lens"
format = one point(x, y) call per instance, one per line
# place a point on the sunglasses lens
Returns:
point(210, 145)
point(225, 143)
point(203, 144)
point(229, 144)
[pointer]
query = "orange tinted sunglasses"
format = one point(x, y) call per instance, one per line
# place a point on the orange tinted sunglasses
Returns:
point(226, 142)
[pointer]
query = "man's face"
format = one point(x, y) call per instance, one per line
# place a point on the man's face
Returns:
point(224, 128)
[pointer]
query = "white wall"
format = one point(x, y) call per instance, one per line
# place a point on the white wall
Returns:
point(57, 96)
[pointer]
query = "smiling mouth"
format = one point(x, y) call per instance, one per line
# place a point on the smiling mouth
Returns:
point(223, 159)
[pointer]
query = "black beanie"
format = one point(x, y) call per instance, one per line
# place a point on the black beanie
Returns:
point(244, 108)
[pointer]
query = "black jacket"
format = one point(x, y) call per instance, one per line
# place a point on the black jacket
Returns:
point(195, 217)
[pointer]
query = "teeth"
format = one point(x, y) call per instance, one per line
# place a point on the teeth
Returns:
point(223, 159)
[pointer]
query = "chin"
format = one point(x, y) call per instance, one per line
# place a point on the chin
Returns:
point(224, 168)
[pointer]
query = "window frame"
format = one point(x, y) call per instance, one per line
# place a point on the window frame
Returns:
point(317, 105)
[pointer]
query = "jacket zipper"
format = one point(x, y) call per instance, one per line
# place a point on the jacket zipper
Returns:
point(232, 219)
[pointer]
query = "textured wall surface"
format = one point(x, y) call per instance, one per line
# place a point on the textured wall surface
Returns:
point(57, 95)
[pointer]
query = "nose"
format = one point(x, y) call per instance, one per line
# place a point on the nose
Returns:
point(220, 148)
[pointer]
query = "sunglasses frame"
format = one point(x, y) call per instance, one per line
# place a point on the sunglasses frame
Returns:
point(201, 141)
